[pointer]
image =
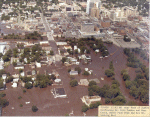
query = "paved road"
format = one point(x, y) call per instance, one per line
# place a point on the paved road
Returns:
point(51, 40)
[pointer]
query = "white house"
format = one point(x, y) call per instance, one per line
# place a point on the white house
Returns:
point(90, 99)
point(73, 72)
point(38, 65)
point(14, 85)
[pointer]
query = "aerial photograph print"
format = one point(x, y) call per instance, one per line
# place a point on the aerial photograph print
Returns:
point(68, 57)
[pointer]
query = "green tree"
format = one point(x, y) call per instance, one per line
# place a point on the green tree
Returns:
point(64, 59)
point(91, 83)
point(28, 85)
point(9, 79)
point(34, 108)
point(109, 73)
point(73, 83)
point(128, 84)
point(111, 66)
point(107, 100)
point(126, 77)
point(78, 69)
point(85, 108)
point(123, 71)
point(86, 73)
point(52, 52)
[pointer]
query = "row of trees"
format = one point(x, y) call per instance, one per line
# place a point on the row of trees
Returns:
point(138, 87)
point(92, 42)
point(140, 52)
point(12, 36)
point(34, 36)
point(42, 81)
point(110, 72)
point(33, 54)
point(110, 93)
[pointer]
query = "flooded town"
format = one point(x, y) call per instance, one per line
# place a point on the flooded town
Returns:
point(67, 57)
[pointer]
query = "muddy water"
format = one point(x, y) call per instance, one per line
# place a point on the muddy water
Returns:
point(49, 106)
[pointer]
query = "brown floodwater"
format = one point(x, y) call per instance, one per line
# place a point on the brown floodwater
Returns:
point(49, 106)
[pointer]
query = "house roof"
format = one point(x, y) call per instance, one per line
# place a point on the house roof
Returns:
point(60, 91)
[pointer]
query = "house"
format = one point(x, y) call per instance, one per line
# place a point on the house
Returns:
point(38, 65)
point(33, 72)
point(68, 47)
point(29, 73)
point(57, 82)
point(2, 47)
point(15, 75)
point(19, 66)
point(14, 85)
point(97, 50)
point(73, 73)
point(84, 82)
point(33, 65)
point(22, 74)
point(15, 80)
point(88, 58)
point(90, 99)
point(1, 64)
point(58, 93)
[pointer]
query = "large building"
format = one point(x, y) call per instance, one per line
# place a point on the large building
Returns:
point(69, 2)
point(87, 27)
point(95, 12)
point(90, 5)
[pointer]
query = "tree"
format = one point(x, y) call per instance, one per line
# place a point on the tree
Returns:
point(64, 59)
point(86, 73)
point(91, 83)
point(91, 93)
point(139, 76)
point(28, 85)
point(123, 71)
point(109, 73)
point(85, 108)
point(76, 51)
point(2, 94)
point(132, 103)
point(52, 52)
point(9, 79)
point(116, 82)
point(126, 77)
point(128, 84)
point(6, 58)
point(134, 92)
point(107, 100)
point(78, 69)
point(3, 102)
point(119, 99)
point(1, 84)
point(111, 66)
point(43, 84)
point(73, 83)
point(34, 108)
point(20, 70)
point(126, 38)
point(127, 51)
